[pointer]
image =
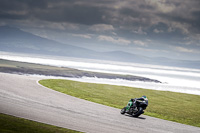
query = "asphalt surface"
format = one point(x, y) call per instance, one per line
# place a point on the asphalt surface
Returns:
point(22, 96)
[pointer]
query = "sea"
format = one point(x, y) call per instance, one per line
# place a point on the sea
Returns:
point(175, 79)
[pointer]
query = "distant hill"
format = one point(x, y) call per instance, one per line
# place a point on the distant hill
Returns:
point(15, 40)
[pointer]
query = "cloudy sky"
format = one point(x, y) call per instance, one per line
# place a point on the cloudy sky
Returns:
point(155, 28)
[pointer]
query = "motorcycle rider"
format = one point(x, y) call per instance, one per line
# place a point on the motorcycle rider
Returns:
point(132, 102)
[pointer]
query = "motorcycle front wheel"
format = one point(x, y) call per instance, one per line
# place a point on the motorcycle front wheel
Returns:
point(123, 110)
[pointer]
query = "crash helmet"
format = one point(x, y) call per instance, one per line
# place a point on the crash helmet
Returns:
point(145, 97)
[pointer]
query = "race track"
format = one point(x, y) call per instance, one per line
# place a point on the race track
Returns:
point(22, 96)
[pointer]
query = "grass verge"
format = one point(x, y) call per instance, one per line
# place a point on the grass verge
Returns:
point(178, 107)
point(11, 124)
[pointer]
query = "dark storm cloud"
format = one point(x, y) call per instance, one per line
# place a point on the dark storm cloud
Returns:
point(17, 5)
point(129, 16)
point(136, 16)
point(12, 16)
point(129, 12)
point(156, 24)
point(19, 9)
point(114, 12)
point(53, 11)
point(74, 14)
point(196, 22)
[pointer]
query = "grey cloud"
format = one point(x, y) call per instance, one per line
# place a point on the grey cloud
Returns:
point(196, 22)
point(22, 4)
point(157, 20)
point(19, 9)
point(146, 7)
point(6, 5)
point(129, 14)
point(74, 14)
point(53, 11)
point(12, 16)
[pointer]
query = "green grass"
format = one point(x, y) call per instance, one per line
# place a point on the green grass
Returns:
point(11, 124)
point(178, 107)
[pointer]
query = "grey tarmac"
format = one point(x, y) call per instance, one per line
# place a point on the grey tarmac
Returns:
point(22, 96)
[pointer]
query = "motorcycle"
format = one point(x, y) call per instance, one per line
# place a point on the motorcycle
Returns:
point(136, 107)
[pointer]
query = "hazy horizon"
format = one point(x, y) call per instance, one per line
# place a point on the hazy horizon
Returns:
point(173, 79)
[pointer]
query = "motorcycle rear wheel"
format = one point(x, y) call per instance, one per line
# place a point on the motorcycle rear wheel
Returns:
point(138, 113)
